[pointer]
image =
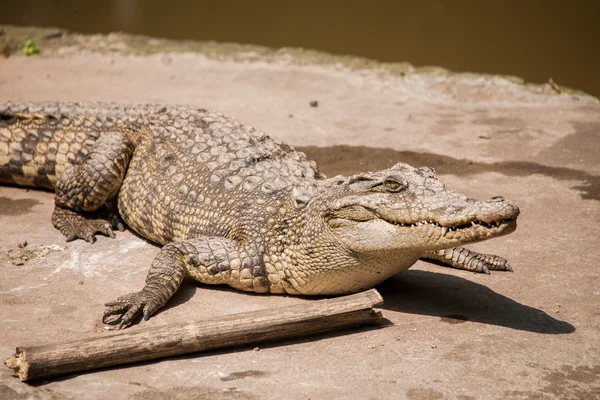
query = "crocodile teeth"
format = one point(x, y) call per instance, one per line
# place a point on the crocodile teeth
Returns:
point(444, 230)
point(473, 223)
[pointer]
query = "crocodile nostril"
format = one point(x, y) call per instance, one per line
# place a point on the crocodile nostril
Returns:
point(498, 198)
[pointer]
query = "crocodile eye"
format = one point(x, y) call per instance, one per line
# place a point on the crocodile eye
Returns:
point(393, 186)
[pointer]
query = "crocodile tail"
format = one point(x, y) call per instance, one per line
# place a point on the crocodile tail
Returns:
point(35, 147)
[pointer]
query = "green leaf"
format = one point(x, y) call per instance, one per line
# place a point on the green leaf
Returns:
point(30, 48)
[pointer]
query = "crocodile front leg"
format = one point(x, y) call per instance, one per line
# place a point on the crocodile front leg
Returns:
point(83, 189)
point(461, 258)
point(211, 260)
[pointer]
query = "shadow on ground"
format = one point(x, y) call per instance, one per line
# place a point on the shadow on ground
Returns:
point(453, 299)
point(456, 300)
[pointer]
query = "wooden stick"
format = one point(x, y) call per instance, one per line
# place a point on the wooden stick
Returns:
point(123, 347)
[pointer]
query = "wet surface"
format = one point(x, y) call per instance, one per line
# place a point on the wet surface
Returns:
point(579, 148)
point(14, 207)
point(344, 160)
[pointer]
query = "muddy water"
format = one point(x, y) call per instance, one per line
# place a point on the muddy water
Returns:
point(535, 39)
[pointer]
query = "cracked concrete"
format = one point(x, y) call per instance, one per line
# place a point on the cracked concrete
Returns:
point(529, 334)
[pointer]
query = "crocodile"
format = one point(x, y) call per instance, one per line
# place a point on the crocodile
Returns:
point(231, 205)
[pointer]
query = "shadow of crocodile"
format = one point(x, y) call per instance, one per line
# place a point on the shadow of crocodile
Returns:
point(454, 298)
point(413, 292)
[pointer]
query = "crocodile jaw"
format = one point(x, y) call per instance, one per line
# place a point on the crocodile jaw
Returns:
point(449, 235)
point(380, 235)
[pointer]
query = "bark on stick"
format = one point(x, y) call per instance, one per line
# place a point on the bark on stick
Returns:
point(123, 347)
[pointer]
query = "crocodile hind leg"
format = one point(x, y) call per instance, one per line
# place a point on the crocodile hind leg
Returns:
point(212, 260)
point(461, 258)
point(82, 190)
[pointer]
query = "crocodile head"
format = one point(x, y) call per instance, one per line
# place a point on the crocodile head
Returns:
point(409, 209)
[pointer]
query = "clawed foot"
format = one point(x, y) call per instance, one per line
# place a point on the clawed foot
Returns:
point(126, 308)
point(489, 262)
point(74, 225)
point(468, 260)
point(111, 214)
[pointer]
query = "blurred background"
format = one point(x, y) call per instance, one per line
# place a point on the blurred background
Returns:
point(533, 39)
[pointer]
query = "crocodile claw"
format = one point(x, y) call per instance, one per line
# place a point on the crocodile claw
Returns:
point(75, 225)
point(91, 238)
point(127, 308)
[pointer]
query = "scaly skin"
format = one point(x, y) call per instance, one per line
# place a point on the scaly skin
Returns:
point(232, 206)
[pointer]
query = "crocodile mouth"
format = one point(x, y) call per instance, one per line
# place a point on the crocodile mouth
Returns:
point(473, 228)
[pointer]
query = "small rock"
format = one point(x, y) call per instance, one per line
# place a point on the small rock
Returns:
point(22, 245)
point(256, 349)
point(314, 103)
point(484, 136)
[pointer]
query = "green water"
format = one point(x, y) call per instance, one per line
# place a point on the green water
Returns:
point(533, 39)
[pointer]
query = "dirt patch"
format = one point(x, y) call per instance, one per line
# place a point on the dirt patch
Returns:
point(20, 256)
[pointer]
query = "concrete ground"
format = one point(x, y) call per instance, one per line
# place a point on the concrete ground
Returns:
point(531, 334)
